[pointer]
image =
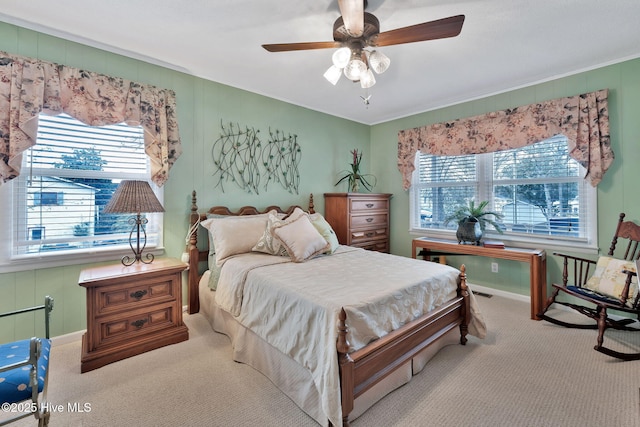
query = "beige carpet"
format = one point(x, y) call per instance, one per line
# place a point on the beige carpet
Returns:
point(525, 373)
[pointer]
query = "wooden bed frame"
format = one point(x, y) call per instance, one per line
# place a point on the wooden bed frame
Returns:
point(366, 367)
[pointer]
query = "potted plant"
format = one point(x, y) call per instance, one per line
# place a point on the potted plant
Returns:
point(354, 177)
point(472, 221)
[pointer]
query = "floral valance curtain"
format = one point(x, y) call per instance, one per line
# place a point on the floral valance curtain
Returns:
point(31, 86)
point(583, 119)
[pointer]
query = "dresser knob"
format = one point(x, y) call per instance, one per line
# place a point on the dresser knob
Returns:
point(369, 234)
point(369, 205)
point(139, 323)
point(138, 294)
point(369, 219)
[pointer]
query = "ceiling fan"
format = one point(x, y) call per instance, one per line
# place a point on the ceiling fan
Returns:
point(357, 30)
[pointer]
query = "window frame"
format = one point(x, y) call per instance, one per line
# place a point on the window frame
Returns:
point(16, 205)
point(484, 185)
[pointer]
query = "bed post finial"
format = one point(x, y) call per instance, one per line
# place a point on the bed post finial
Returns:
point(192, 250)
point(343, 343)
point(312, 209)
point(463, 291)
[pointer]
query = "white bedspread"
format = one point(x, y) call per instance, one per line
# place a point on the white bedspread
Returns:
point(294, 306)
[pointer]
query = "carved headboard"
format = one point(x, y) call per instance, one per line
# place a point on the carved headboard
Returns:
point(196, 255)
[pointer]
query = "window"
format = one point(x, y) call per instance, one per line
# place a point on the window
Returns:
point(67, 179)
point(539, 190)
point(47, 198)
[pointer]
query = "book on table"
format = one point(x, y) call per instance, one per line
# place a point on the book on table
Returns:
point(493, 244)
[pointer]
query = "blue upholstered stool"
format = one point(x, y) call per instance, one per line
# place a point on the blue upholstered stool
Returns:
point(24, 370)
point(15, 385)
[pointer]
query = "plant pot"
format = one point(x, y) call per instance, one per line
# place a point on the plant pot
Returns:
point(469, 230)
point(354, 184)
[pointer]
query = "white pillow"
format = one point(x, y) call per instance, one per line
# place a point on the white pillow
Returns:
point(324, 228)
point(301, 239)
point(235, 234)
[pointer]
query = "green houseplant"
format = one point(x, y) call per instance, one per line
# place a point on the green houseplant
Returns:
point(472, 221)
point(355, 178)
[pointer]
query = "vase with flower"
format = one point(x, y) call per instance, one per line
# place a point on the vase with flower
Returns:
point(355, 178)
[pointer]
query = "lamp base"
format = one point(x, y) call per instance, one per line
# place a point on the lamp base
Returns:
point(138, 223)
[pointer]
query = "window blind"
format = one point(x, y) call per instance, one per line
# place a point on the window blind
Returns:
point(68, 177)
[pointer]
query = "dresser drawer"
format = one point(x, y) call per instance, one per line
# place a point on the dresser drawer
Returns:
point(374, 220)
point(134, 295)
point(380, 246)
point(363, 205)
point(122, 328)
point(368, 235)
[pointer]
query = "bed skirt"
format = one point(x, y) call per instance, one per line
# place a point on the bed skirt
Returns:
point(290, 377)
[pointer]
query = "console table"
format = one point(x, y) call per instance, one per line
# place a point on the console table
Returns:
point(536, 258)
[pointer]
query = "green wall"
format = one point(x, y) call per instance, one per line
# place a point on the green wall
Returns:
point(616, 193)
point(326, 142)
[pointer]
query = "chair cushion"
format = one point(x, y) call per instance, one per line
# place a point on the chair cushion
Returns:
point(14, 384)
point(608, 278)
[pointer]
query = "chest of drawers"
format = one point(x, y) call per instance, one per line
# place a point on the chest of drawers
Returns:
point(131, 310)
point(359, 219)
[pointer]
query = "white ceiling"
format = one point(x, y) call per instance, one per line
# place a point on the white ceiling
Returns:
point(504, 44)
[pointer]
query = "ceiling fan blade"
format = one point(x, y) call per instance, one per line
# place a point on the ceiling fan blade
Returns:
point(439, 29)
point(287, 47)
point(352, 12)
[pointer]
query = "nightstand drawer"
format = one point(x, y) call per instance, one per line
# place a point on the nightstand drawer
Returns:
point(359, 205)
point(117, 297)
point(370, 221)
point(121, 328)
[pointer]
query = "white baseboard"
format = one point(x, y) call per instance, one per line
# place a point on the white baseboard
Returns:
point(498, 292)
point(67, 338)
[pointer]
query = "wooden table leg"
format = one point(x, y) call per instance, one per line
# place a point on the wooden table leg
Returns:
point(538, 285)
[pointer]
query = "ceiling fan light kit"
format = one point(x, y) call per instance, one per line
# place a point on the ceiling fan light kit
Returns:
point(358, 66)
point(357, 30)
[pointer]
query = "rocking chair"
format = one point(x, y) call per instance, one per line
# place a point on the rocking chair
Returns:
point(612, 286)
point(24, 372)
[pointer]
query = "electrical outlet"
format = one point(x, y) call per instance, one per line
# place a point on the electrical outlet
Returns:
point(494, 267)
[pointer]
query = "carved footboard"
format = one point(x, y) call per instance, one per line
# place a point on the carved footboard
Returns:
point(364, 368)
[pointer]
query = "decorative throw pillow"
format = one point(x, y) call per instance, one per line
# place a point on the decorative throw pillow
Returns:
point(324, 228)
point(608, 278)
point(235, 234)
point(270, 244)
point(301, 239)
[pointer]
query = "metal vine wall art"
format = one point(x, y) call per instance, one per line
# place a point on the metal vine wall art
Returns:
point(240, 156)
point(281, 157)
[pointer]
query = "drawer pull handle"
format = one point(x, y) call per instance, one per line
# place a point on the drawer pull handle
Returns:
point(139, 323)
point(369, 234)
point(369, 205)
point(138, 294)
point(369, 219)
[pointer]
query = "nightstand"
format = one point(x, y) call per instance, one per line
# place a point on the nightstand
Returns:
point(131, 310)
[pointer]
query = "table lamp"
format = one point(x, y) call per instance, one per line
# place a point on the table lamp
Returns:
point(135, 197)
